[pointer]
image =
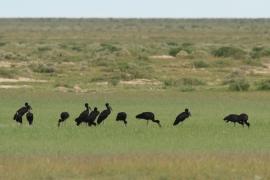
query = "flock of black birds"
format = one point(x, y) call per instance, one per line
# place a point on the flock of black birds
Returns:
point(94, 118)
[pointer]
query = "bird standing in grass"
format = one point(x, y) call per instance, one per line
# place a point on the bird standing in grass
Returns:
point(92, 117)
point(104, 114)
point(122, 116)
point(20, 112)
point(148, 116)
point(63, 117)
point(83, 116)
point(30, 117)
point(181, 117)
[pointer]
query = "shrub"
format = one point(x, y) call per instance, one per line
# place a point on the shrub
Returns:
point(42, 49)
point(187, 82)
point(185, 46)
point(240, 84)
point(2, 44)
point(109, 47)
point(7, 73)
point(258, 52)
point(200, 64)
point(192, 82)
point(233, 52)
point(174, 51)
point(172, 43)
point(264, 85)
point(115, 81)
point(42, 68)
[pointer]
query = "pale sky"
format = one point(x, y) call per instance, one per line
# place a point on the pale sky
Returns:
point(136, 8)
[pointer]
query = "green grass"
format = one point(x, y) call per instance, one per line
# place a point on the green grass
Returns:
point(74, 54)
point(205, 135)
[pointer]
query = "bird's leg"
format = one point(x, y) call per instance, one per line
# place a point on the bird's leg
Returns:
point(147, 122)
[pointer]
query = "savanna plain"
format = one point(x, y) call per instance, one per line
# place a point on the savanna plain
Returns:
point(214, 67)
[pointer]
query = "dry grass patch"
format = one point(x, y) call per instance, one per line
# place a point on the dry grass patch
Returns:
point(139, 166)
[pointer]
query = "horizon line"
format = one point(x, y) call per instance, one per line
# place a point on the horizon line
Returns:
point(115, 17)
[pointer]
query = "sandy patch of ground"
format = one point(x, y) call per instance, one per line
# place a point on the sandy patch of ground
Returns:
point(14, 86)
point(102, 83)
point(6, 64)
point(141, 82)
point(161, 57)
point(21, 79)
point(263, 70)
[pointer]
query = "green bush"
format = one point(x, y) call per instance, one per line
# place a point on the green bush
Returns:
point(185, 47)
point(42, 68)
point(2, 44)
point(200, 64)
point(7, 73)
point(42, 49)
point(240, 84)
point(114, 81)
point(109, 47)
point(192, 82)
point(264, 85)
point(187, 82)
point(174, 51)
point(258, 52)
point(233, 52)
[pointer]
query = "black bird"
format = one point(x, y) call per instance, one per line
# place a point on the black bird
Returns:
point(235, 118)
point(148, 116)
point(92, 117)
point(122, 116)
point(104, 114)
point(181, 117)
point(20, 112)
point(244, 119)
point(83, 116)
point(30, 117)
point(63, 117)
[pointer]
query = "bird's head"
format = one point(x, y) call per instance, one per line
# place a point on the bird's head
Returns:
point(108, 106)
point(86, 105)
point(187, 111)
point(95, 109)
point(28, 106)
point(158, 122)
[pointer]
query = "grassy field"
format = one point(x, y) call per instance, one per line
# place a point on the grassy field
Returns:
point(204, 147)
point(183, 54)
point(158, 65)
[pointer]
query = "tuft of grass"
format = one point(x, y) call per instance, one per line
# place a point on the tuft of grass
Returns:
point(7, 73)
point(229, 51)
point(264, 85)
point(42, 68)
point(239, 84)
point(200, 64)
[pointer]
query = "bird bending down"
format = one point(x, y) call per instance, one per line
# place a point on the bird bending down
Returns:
point(20, 112)
point(104, 114)
point(148, 116)
point(181, 117)
point(235, 118)
point(30, 117)
point(122, 116)
point(63, 117)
